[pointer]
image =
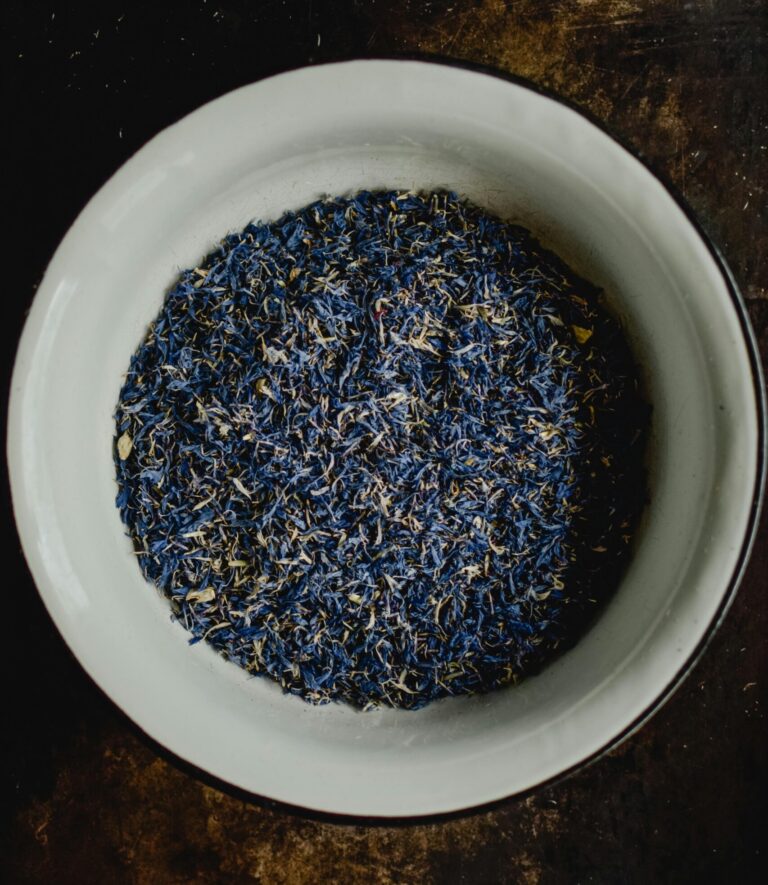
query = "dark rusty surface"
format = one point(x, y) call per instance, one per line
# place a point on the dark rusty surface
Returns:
point(86, 798)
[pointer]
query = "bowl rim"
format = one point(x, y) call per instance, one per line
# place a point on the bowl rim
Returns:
point(747, 544)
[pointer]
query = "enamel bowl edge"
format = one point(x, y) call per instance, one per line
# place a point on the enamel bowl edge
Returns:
point(329, 130)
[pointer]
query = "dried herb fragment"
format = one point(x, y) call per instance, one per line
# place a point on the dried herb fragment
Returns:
point(384, 449)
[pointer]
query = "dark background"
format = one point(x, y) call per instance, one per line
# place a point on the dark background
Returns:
point(86, 798)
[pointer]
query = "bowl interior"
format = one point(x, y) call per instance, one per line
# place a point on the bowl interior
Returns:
point(278, 145)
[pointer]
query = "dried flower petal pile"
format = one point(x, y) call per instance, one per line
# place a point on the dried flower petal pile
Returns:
point(384, 450)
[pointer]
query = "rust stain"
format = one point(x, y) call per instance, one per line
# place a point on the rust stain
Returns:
point(683, 83)
point(147, 822)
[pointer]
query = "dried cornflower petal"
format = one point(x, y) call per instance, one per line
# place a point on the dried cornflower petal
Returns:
point(384, 449)
point(124, 446)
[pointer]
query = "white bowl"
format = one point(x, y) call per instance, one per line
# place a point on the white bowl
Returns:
point(331, 130)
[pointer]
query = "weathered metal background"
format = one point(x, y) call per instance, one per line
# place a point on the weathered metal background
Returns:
point(87, 798)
